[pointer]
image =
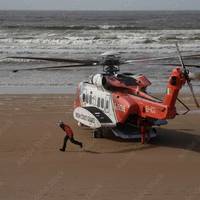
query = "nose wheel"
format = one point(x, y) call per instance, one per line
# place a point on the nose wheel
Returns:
point(97, 133)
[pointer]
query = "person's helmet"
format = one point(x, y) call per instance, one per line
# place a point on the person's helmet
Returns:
point(60, 123)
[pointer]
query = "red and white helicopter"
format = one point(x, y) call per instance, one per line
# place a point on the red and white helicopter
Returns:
point(119, 101)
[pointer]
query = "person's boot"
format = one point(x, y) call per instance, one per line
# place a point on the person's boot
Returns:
point(62, 150)
point(81, 145)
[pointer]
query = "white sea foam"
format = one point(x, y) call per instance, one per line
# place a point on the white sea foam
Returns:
point(139, 41)
point(85, 44)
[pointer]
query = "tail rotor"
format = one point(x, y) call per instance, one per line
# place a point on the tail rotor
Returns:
point(187, 77)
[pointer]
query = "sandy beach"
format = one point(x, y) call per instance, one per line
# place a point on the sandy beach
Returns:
point(33, 168)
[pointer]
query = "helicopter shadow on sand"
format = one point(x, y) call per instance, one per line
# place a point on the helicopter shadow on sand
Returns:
point(178, 139)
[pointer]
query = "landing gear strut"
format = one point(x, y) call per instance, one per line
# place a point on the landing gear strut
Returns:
point(145, 134)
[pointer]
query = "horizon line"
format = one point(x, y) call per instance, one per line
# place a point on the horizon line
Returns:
point(97, 10)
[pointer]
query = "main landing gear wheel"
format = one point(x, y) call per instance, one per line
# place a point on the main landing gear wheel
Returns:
point(152, 137)
point(147, 134)
point(98, 133)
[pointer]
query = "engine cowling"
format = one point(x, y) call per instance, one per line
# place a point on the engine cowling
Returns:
point(142, 81)
point(98, 79)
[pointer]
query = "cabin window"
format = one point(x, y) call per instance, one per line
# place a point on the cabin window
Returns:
point(102, 103)
point(83, 97)
point(90, 99)
point(107, 104)
point(98, 102)
point(86, 98)
point(94, 100)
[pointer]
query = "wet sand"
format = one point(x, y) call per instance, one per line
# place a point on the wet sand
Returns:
point(33, 168)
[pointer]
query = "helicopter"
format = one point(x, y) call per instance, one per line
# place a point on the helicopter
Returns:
point(119, 101)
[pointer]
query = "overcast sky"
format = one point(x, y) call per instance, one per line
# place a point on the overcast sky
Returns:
point(101, 4)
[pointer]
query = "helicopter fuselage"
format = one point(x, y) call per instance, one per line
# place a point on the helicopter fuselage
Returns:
point(113, 100)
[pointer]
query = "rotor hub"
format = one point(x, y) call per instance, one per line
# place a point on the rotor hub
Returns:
point(111, 64)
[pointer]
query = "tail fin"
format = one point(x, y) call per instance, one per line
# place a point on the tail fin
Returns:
point(175, 83)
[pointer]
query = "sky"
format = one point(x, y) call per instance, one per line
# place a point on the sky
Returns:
point(100, 4)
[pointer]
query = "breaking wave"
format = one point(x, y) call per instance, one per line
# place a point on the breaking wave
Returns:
point(87, 35)
point(76, 27)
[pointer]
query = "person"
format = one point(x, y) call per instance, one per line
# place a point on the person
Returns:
point(69, 135)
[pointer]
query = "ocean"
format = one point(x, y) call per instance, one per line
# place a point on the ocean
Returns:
point(87, 34)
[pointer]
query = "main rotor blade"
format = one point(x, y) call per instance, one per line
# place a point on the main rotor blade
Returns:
point(180, 57)
point(52, 67)
point(193, 56)
point(88, 62)
point(173, 64)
